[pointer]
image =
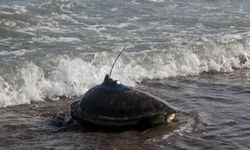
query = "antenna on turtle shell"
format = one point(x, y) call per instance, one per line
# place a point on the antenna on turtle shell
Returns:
point(116, 60)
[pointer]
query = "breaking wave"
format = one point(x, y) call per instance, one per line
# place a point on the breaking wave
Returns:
point(66, 75)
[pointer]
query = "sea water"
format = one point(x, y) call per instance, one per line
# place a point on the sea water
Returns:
point(192, 53)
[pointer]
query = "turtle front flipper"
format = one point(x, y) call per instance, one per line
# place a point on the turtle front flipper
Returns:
point(74, 110)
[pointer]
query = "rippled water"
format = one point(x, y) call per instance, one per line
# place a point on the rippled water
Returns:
point(214, 115)
point(62, 47)
point(192, 53)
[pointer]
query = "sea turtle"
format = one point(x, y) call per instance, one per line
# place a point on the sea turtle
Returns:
point(114, 104)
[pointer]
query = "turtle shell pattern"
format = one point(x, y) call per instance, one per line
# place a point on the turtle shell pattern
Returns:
point(114, 103)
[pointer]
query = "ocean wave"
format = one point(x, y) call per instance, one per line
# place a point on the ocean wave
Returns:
point(15, 53)
point(72, 76)
point(70, 43)
point(46, 39)
point(13, 9)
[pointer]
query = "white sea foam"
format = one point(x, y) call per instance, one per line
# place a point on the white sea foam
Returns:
point(10, 23)
point(47, 39)
point(12, 9)
point(16, 52)
point(5, 41)
point(157, 1)
point(64, 17)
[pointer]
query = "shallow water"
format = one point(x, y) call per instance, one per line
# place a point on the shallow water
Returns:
point(214, 115)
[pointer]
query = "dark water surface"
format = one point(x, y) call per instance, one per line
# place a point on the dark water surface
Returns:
point(214, 114)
